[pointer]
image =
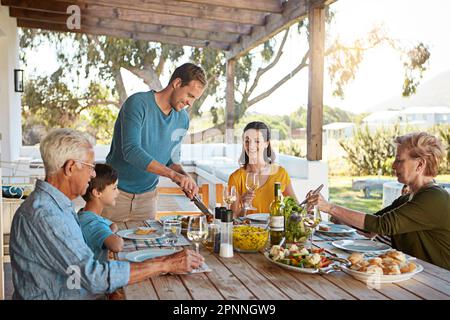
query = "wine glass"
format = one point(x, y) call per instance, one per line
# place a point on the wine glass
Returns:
point(251, 183)
point(229, 196)
point(171, 231)
point(197, 230)
point(312, 221)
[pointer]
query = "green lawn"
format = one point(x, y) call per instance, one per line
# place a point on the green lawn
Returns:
point(341, 193)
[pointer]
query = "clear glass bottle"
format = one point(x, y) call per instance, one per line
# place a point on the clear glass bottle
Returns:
point(277, 216)
point(226, 235)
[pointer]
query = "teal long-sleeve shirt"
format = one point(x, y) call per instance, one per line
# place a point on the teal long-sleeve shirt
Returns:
point(143, 133)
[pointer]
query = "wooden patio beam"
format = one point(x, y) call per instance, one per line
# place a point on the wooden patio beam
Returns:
point(162, 30)
point(315, 88)
point(144, 17)
point(294, 11)
point(61, 7)
point(194, 10)
point(272, 6)
point(61, 27)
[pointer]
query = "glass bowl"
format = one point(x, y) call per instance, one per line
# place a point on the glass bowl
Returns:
point(249, 238)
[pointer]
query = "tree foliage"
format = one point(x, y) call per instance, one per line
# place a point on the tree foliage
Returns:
point(368, 152)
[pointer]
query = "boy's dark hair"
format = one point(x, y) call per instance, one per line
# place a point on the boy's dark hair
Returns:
point(105, 175)
point(188, 72)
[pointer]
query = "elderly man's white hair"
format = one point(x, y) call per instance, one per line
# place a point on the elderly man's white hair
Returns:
point(61, 145)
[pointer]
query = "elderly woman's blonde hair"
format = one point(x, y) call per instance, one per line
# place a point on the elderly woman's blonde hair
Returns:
point(61, 145)
point(426, 146)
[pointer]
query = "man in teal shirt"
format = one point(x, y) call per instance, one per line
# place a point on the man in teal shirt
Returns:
point(147, 141)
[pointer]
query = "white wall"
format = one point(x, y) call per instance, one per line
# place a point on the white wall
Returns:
point(10, 106)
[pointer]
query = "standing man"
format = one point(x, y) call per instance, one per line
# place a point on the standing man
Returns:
point(147, 142)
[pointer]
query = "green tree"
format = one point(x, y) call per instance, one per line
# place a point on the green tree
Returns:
point(370, 151)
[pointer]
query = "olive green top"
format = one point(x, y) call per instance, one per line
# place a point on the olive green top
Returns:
point(419, 226)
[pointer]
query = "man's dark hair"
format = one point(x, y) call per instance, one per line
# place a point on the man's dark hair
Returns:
point(188, 72)
point(105, 175)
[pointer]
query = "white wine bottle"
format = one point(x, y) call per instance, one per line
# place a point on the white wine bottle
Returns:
point(277, 216)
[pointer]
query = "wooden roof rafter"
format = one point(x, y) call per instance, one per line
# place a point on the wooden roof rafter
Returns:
point(183, 9)
point(234, 26)
point(122, 34)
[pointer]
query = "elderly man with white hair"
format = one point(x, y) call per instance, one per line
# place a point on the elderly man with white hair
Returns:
point(49, 256)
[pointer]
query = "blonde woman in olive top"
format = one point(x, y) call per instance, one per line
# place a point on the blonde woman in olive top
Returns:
point(257, 156)
point(418, 222)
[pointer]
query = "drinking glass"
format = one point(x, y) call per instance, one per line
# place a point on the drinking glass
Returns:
point(251, 183)
point(197, 230)
point(229, 196)
point(312, 221)
point(171, 231)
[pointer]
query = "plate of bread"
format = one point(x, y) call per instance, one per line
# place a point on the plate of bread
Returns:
point(140, 233)
point(335, 228)
point(392, 266)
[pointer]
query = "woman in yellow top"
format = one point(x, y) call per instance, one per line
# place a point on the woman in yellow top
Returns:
point(258, 158)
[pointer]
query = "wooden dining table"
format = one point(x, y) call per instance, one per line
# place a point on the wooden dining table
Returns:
point(250, 276)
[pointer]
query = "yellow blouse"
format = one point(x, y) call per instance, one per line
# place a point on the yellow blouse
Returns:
point(265, 193)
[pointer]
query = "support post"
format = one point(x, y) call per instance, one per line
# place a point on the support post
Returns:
point(315, 88)
point(229, 114)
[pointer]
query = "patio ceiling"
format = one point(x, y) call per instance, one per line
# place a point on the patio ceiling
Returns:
point(235, 26)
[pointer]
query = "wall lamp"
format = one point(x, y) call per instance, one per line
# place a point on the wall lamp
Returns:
point(18, 80)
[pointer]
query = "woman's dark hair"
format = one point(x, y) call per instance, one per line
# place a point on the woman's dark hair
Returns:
point(105, 175)
point(269, 155)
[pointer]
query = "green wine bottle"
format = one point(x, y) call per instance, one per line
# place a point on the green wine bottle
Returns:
point(277, 217)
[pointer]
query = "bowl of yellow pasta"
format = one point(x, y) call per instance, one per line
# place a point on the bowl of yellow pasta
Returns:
point(250, 238)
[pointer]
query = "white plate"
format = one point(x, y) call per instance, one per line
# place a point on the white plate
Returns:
point(389, 278)
point(337, 229)
point(142, 255)
point(260, 217)
point(298, 269)
point(129, 234)
point(363, 246)
point(174, 217)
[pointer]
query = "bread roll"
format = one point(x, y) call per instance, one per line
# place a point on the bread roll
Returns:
point(375, 261)
point(144, 231)
point(388, 261)
point(374, 269)
point(393, 269)
point(408, 267)
point(397, 255)
point(355, 257)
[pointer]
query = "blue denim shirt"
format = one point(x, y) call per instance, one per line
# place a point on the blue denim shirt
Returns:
point(49, 256)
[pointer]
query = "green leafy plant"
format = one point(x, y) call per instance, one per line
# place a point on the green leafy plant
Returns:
point(295, 229)
point(369, 152)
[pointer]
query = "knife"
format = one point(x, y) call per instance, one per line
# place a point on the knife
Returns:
point(199, 204)
point(312, 193)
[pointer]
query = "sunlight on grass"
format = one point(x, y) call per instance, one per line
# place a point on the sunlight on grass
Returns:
point(341, 193)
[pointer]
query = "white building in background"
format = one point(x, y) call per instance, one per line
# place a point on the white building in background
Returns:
point(423, 117)
point(337, 131)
